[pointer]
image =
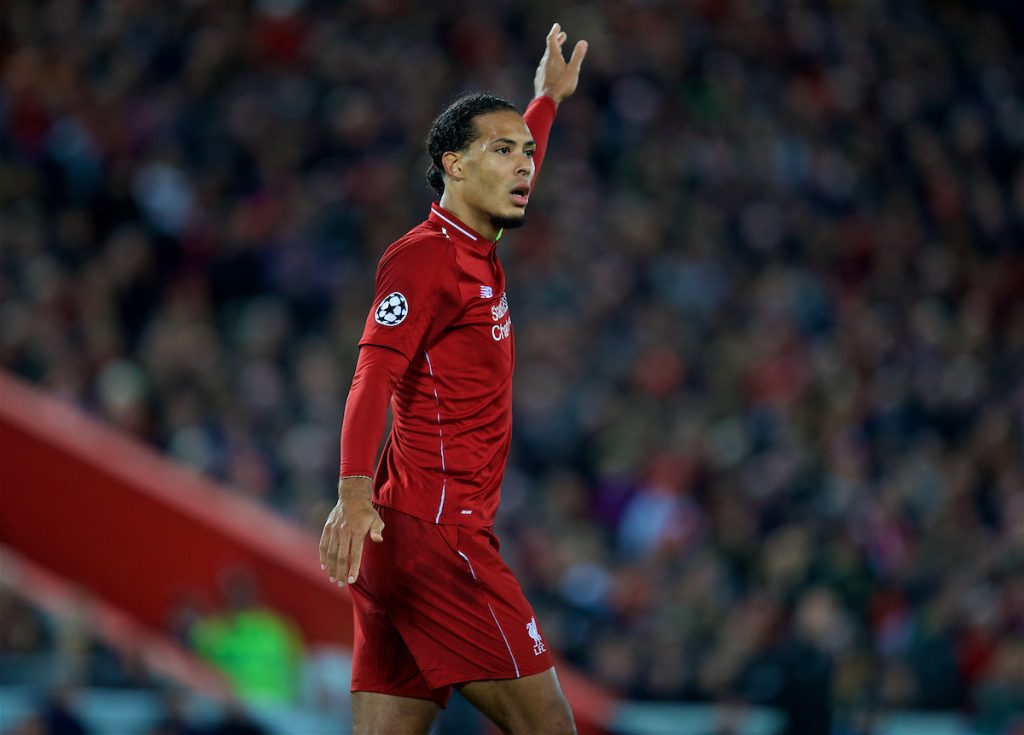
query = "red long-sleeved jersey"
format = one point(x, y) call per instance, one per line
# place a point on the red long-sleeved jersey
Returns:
point(439, 342)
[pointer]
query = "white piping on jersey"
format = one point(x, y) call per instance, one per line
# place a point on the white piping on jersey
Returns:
point(440, 433)
point(440, 506)
point(465, 232)
point(511, 655)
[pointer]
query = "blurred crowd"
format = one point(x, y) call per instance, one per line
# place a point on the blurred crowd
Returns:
point(769, 304)
point(56, 656)
point(34, 645)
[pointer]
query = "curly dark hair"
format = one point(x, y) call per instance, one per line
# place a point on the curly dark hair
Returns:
point(453, 130)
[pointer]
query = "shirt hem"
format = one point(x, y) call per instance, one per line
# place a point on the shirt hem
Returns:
point(467, 521)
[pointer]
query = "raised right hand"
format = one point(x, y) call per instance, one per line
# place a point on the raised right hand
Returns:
point(556, 78)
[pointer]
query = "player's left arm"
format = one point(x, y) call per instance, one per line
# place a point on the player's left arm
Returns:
point(555, 80)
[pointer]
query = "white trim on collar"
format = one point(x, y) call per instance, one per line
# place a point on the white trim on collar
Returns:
point(467, 233)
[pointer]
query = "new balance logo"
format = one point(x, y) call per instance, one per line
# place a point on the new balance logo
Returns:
point(486, 292)
point(538, 642)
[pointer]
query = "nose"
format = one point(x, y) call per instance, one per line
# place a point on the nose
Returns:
point(524, 166)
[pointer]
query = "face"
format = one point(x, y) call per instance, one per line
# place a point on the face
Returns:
point(496, 167)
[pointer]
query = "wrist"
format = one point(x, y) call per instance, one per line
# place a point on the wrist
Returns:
point(355, 488)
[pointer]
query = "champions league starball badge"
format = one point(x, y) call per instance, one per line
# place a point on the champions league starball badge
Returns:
point(392, 310)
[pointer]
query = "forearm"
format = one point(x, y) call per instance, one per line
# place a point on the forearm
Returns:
point(539, 117)
point(378, 371)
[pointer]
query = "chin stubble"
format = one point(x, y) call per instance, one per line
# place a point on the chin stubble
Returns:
point(507, 223)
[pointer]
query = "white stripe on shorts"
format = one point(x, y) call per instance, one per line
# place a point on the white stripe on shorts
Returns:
point(511, 655)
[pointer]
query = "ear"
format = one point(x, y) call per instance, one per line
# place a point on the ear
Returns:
point(453, 165)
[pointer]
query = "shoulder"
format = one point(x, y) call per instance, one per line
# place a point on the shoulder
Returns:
point(423, 247)
point(423, 259)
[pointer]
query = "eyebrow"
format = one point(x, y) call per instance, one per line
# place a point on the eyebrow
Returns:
point(514, 142)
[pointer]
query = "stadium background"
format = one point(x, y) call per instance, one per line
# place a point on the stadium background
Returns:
point(769, 311)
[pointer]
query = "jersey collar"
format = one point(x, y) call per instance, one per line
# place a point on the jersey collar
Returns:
point(452, 226)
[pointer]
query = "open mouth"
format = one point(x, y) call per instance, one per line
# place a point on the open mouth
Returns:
point(520, 195)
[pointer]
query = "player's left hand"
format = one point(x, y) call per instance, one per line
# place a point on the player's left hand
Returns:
point(556, 78)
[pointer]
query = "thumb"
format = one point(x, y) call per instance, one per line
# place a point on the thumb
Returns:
point(377, 531)
point(580, 50)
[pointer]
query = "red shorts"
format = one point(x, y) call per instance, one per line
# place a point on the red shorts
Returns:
point(435, 606)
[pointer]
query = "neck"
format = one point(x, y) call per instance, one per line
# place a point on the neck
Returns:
point(479, 221)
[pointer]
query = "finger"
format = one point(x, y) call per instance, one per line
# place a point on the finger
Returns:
point(558, 44)
point(323, 548)
point(342, 557)
point(355, 557)
point(552, 39)
point(377, 530)
point(326, 542)
point(578, 53)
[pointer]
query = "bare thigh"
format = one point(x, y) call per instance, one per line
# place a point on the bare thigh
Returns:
point(386, 714)
point(532, 705)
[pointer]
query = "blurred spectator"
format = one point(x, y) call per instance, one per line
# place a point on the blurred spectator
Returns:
point(258, 649)
point(1000, 699)
point(806, 660)
point(25, 642)
point(769, 311)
